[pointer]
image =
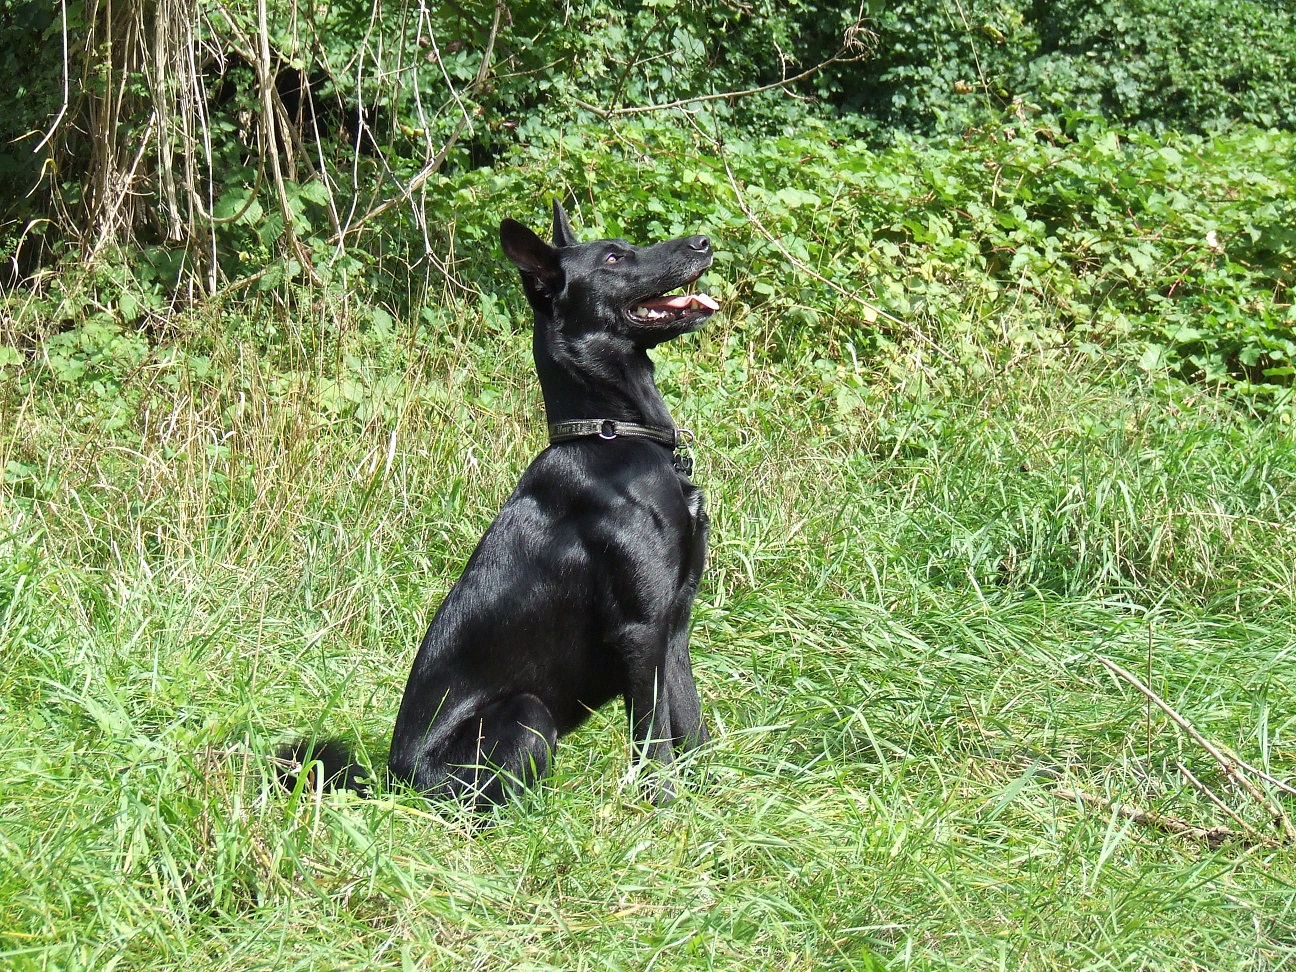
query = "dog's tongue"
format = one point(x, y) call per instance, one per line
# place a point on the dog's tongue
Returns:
point(683, 302)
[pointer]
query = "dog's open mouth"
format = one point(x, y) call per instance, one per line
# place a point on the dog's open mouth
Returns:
point(658, 310)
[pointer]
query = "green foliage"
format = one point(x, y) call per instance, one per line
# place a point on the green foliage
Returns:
point(31, 75)
point(941, 64)
point(30, 33)
point(1156, 64)
point(645, 53)
point(1178, 252)
point(1179, 64)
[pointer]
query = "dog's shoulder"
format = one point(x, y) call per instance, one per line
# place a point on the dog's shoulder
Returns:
point(622, 464)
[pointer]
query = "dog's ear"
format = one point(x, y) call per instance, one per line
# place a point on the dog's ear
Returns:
point(536, 259)
point(562, 229)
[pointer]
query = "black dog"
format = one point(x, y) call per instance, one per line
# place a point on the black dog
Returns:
point(581, 589)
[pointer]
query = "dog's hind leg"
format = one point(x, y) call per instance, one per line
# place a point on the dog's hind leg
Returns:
point(497, 753)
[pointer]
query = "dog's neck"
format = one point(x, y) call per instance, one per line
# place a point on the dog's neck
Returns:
point(597, 375)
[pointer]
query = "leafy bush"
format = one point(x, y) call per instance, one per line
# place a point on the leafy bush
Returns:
point(941, 64)
point(1158, 64)
point(1180, 252)
point(1186, 64)
point(29, 32)
point(1175, 252)
point(638, 54)
point(178, 163)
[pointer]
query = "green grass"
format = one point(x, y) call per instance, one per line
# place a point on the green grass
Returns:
point(911, 578)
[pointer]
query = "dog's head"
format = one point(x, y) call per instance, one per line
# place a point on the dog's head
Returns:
point(610, 287)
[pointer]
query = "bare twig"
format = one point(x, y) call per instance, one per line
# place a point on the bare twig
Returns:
point(268, 134)
point(976, 54)
point(1213, 836)
point(109, 214)
point(850, 52)
point(433, 165)
point(1230, 766)
point(58, 119)
point(436, 55)
point(839, 58)
point(1210, 795)
point(1150, 630)
point(198, 94)
point(1273, 781)
point(164, 79)
point(241, 284)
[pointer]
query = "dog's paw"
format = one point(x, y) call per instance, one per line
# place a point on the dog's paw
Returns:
point(329, 764)
point(661, 789)
point(655, 783)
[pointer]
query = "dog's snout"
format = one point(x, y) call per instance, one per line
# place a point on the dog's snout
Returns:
point(699, 243)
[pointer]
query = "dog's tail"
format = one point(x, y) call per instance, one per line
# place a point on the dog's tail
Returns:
point(327, 763)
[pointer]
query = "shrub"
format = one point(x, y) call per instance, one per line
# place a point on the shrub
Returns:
point(1185, 64)
point(1155, 64)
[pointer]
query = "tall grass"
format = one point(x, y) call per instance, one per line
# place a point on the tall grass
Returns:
point(896, 642)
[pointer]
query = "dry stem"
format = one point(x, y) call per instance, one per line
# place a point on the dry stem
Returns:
point(1213, 836)
point(1230, 766)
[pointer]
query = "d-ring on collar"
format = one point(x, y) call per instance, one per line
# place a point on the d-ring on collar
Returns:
point(675, 439)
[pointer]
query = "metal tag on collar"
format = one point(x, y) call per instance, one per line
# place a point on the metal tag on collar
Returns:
point(683, 453)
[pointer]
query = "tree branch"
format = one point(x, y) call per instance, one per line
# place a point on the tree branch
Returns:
point(433, 165)
point(1213, 836)
point(839, 58)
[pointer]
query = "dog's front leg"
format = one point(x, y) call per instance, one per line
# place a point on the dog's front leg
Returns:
point(687, 722)
point(648, 709)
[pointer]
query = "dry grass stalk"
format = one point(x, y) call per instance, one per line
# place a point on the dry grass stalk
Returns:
point(1213, 836)
point(1230, 766)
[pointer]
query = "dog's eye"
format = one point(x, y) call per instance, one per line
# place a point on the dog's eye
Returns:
point(613, 258)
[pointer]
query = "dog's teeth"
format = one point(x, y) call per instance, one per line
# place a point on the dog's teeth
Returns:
point(646, 313)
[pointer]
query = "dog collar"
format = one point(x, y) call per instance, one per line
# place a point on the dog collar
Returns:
point(677, 440)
